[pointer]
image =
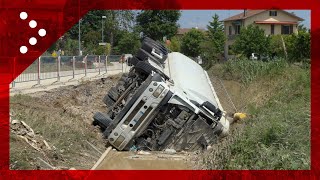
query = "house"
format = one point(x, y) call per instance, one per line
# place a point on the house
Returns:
point(272, 21)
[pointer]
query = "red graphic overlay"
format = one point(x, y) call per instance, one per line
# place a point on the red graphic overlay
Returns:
point(56, 17)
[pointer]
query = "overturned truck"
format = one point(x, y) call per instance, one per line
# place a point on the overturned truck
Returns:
point(165, 101)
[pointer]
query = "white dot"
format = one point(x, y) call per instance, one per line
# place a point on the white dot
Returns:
point(23, 15)
point(33, 41)
point(23, 49)
point(42, 32)
point(33, 24)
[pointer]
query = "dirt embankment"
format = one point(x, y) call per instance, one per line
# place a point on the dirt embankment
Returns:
point(62, 119)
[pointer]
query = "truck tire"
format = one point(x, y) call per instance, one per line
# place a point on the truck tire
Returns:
point(132, 61)
point(102, 120)
point(148, 47)
point(108, 101)
point(145, 56)
point(161, 46)
point(144, 67)
point(113, 93)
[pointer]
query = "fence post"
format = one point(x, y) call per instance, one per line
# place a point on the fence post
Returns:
point(73, 66)
point(85, 66)
point(122, 66)
point(13, 84)
point(106, 64)
point(39, 70)
point(58, 68)
point(99, 63)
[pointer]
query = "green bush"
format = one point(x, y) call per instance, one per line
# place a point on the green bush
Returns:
point(276, 46)
point(298, 46)
point(252, 39)
point(175, 45)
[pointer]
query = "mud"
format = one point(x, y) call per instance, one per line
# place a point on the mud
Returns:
point(150, 161)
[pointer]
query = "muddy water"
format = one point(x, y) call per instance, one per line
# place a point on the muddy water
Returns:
point(132, 161)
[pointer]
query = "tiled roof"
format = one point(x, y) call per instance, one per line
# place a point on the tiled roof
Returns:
point(250, 13)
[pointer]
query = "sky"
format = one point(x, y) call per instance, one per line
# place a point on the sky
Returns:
point(201, 18)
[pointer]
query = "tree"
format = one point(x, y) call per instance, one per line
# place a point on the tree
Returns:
point(116, 20)
point(301, 27)
point(216, 34)
point(191, 43)
point(158, 23)
point(128, 43)
point(298, 46)
point(213, 46)
point(91, 41)
point(251, 40)
point(276, 46)
point(175, 44)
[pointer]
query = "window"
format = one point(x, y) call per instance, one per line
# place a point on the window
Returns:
point(286, 29)
point(273, 13)
point(237, 29)
point(230, 30)
point(272, 28)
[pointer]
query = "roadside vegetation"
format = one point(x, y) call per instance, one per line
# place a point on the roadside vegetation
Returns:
point(276, 134)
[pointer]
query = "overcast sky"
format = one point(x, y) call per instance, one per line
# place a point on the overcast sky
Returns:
point(200, 18)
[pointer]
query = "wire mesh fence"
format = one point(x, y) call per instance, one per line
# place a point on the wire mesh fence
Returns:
point(114, 63)
point(47, 67)
point(30, 74)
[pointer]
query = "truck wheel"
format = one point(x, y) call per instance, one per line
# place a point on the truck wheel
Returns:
point(102, 120)
point(143, 55)
point(108, 101)
point(133, 61)
point(149, 45)
point(113, 93)
point(144, 67)
point(151, 41)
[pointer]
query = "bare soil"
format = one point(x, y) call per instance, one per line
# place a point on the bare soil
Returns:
point(62, 117)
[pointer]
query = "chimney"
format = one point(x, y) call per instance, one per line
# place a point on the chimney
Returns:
point(244, 13)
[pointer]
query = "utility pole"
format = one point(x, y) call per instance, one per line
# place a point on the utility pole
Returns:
point(80, 53)
point(103, 17)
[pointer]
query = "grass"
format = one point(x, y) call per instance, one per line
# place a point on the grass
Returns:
point(277, 133)
point(247, 70)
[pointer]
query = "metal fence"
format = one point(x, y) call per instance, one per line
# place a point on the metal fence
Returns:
point(47, 67)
